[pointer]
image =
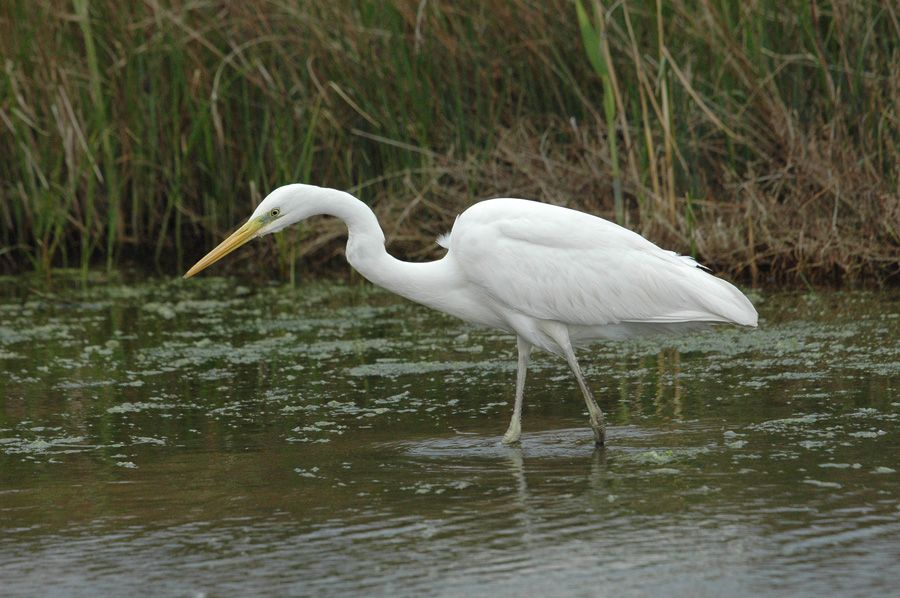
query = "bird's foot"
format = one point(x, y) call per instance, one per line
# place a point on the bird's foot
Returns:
point(512, 436)
point(599, 435)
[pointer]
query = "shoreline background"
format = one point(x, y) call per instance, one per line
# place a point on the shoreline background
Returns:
point(763, 138)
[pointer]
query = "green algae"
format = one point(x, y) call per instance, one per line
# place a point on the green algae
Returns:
point(164, 404)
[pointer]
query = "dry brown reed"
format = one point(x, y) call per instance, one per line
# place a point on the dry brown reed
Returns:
point(761, 136)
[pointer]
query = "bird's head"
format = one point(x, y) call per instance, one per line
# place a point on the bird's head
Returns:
point(283, 207)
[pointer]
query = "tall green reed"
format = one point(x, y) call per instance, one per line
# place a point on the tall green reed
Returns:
point(142, 132)
point(596, 44)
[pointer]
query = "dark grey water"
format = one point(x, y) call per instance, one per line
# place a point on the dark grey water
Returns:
point(208, 437)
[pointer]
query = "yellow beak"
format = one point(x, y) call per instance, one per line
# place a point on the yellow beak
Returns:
point(237, 238)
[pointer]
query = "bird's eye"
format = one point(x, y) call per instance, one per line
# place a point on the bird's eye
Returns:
point(275, 213)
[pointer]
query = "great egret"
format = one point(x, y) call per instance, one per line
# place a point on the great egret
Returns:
point(556, 278)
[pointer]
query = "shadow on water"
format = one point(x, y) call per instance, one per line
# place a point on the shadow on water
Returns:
point(222, 439)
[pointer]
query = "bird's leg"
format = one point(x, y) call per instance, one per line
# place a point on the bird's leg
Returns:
point(597, 423)
point(514, 432)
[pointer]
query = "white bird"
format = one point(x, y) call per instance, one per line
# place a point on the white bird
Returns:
point(555, 278)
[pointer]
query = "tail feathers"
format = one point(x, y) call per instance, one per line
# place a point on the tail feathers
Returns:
point(733, 305)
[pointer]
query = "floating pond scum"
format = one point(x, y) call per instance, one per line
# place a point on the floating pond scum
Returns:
point(232, 439)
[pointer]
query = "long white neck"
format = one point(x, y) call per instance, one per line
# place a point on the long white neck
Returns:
point(427, 283)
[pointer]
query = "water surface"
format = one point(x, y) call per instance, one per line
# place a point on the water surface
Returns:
point(213, 437)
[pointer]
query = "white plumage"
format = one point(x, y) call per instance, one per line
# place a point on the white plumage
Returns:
point(552, 263)
point(556, 278)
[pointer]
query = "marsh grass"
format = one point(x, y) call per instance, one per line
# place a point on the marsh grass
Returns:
point(760, 136)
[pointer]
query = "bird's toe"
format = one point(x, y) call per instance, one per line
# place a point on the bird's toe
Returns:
point(512, 437)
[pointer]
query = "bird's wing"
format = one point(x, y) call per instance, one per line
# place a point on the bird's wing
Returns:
point(553, 263)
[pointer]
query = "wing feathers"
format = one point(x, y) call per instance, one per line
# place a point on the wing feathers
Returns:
point(553, 263)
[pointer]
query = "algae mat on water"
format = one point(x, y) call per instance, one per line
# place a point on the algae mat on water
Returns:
point(221, 438)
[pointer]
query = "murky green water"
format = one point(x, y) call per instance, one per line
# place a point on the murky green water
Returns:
point(206, 437)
